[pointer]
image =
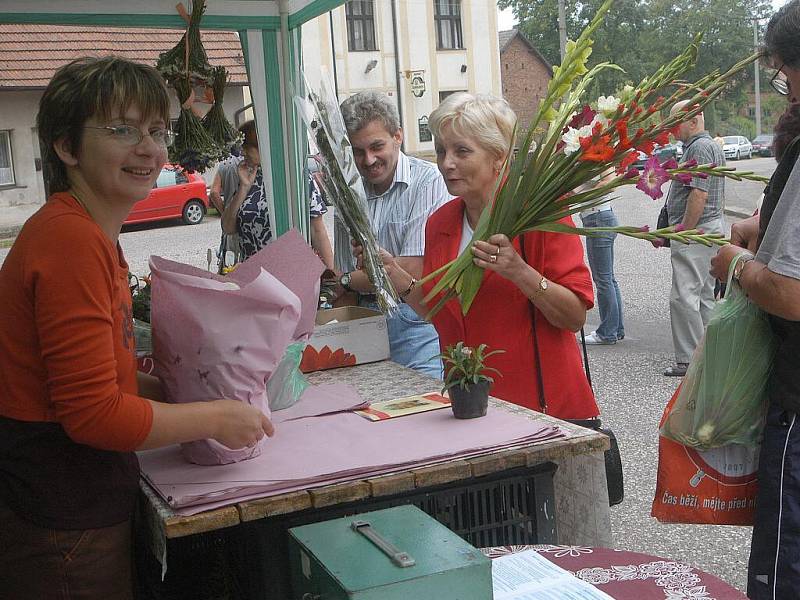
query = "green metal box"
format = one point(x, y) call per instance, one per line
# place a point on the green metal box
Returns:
point(337, 560)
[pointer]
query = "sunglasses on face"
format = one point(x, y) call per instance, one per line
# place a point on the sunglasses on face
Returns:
point(779, 84)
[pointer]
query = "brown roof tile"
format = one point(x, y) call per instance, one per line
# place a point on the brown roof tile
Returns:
point(30, 54)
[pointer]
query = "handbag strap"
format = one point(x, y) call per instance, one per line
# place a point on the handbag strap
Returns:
point(534, 312)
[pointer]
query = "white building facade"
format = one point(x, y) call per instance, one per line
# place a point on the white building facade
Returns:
point(443, 46)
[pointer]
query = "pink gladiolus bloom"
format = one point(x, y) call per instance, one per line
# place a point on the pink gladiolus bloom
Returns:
point(700, 230)
point(689, 164)
point(653, 177)
point(631, 173)
point(670, 164)
point(658, 243)
point(644, 228)
point(713, 165)
point(684, 178)
point(703, 175)
point(680, 227)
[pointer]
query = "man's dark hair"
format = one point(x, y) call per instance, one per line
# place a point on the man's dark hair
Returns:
point(787, 128)
point(782, 39)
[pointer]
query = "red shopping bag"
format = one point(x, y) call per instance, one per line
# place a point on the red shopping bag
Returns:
point(716, 487)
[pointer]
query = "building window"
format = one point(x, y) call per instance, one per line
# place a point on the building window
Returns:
point(447, 14)
point(360, 25)
point(445, 94)
point(6, 162)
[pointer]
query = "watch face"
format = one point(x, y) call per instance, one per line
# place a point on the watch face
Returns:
point(544, 283)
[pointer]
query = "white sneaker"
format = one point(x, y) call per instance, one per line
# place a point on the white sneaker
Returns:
point(594, 340)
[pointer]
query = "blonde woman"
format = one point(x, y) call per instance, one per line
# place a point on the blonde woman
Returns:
point(538, 276)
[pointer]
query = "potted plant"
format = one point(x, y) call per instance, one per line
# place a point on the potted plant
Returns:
point(467, 382)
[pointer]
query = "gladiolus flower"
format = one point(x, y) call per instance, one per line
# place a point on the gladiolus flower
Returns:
point(597, 151)
point(627, 161)
point(572, 141)
point(684, 178)
point(689, 164)
point(670, 164)
point(645, 228)
point(663, 138)
point(646, 147)
point(632, 172)
point(680, 227)
point(702, 175)
point(659, 243)
point(653, 177)
point(607, 104)
point(585, 117)
point(622, 132)
point(700, 230)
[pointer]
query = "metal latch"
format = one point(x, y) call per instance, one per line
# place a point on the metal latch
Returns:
point(397, 556)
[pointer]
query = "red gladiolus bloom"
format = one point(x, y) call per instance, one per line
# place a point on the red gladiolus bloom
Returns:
point(597, 151)
point(662, 138)
point(585, 117)
point(622, 132)
point(627, 161)
point(647, 147)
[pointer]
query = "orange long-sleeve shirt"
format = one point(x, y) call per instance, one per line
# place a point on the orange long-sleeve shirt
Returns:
point(67, 352)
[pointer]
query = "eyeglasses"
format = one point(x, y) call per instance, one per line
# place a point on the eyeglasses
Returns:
point(780, 85)
point(131, 136)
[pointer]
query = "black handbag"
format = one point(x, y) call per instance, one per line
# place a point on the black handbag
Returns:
point(663, 221)
point(615, 481)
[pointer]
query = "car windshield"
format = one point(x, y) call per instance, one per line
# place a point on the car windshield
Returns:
point(763, 139)
point(731, 139)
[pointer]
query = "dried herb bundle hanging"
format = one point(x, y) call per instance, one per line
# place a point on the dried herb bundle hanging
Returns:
point(215, 122)
point(194, 149)
point(188, 58)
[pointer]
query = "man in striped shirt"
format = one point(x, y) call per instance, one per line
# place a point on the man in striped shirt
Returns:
point(402, 192)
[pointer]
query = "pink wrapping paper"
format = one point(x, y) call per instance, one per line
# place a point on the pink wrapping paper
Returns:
point(222, 337)
point(309, 452)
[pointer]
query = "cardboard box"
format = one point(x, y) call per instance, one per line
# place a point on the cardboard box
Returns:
point(344, 337)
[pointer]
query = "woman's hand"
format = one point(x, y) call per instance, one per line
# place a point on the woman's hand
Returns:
point(500, 256)
point(239, 425)
point(722, 261)
point(247, 174)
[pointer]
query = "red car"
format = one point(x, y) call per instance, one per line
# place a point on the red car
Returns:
point(176, 195)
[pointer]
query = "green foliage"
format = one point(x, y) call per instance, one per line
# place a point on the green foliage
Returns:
point(466, 366)
point(642, 35)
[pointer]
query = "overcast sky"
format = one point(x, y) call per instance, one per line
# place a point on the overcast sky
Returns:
point(505, 18)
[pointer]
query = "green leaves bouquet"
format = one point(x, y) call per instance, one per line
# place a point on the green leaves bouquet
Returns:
point(571, 144)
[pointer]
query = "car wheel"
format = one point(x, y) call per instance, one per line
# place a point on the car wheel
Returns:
point(193, 212)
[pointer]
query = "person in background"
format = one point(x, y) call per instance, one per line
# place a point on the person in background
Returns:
point(539, 275)
point(698, 204)
point(771, 280)
point(719, 140)
point(402, 192)
point(72, 406)
point(246, 211)
point(600, 253)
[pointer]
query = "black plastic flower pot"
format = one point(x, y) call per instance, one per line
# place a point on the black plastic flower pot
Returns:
point(469, 402)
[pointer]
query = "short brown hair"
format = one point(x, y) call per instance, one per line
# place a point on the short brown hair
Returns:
point(88, 87)
point(248, 130)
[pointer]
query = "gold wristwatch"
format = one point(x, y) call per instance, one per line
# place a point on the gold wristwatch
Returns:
point(542, 287)
point(739, 268)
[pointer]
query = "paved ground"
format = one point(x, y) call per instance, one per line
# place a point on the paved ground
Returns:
point(631, 390)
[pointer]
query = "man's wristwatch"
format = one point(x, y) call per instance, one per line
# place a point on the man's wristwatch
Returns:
point(344, 281)
point(739, 268)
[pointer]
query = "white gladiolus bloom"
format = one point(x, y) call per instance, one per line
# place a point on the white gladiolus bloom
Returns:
point(571, 141)
point(607, 104)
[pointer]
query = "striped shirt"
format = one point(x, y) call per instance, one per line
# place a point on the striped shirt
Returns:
point(398, 215)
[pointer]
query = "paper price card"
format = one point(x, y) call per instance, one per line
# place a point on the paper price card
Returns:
point(401, 407)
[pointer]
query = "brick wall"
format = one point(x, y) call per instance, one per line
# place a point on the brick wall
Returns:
point(524, 80)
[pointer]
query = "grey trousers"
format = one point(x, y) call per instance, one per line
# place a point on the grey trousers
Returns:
point(692, 296)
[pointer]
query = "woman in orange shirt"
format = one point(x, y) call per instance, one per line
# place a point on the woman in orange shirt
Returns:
point(72, 406)
point(539, 275)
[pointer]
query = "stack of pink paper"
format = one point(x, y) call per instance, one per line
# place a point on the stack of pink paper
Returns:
point(320, 441)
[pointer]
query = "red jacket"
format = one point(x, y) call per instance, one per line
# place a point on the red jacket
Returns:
point(500, 317)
